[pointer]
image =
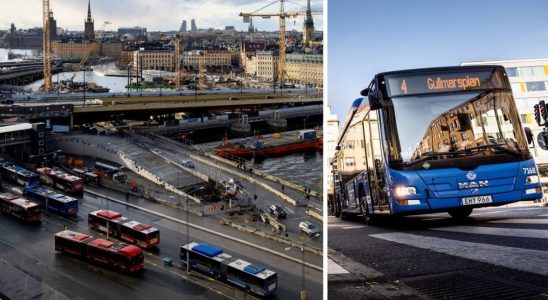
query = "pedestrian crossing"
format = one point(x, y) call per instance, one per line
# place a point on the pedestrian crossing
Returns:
point(517, 258)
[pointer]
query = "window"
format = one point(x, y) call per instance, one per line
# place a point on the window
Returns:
point(525, 71)
point(538, 71)
point(512, 72)
point(349, 161)
point(350, 144)
point(535, 86)
point(40, 134)
point(516, 87)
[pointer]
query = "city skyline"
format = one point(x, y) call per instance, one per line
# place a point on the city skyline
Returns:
point(166, 16)
point(396, 35)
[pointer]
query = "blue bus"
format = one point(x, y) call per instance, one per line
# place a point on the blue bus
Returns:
point(434, 140)
point(212, 260)
point(57, 202)
point(19, 175)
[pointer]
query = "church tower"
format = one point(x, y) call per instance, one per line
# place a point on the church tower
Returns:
point(308, 26)
point(89, 32)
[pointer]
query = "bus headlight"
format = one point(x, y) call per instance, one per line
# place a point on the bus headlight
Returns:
point(532, 179)
point(402, 191)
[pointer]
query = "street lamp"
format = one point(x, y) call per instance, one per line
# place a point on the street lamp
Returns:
point(303, 287)
point(188, 228)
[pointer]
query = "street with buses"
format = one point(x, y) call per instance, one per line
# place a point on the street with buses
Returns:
point(80, 225)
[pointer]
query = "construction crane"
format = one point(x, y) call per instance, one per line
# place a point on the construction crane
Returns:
point(202, 84)
point(46, 46)
point(283, 15)
point(176, 78)
point(90, 48)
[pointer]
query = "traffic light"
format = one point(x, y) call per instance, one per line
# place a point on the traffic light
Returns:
point(543, 112)
point(537, 113)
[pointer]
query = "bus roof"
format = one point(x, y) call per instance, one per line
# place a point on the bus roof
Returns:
point(8, 196)
point(131, 250)
point(23, 202)
point(62, 198)
point(58, 173)
point(72, 235)
point(251, 268)
point(102, 243)
point(439, 69)
point(107, 214)
point(144, 228)
point(19, 170)
point(207, 250)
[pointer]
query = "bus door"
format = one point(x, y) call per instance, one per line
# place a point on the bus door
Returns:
point(375, 160)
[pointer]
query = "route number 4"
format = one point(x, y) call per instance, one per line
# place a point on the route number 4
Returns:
point(403, 87)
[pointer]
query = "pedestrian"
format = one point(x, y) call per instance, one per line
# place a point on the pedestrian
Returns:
point(283, 188)
point(255, 197)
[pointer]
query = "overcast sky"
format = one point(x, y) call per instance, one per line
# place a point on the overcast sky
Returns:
point(154, 15)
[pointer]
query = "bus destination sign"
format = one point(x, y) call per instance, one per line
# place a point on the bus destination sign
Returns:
point(403, 85)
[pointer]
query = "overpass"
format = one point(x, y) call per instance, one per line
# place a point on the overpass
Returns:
point(141, 108)
point(24, 74)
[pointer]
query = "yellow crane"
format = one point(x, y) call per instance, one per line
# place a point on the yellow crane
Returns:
point(283, 15)
point(46, 46)
point(177, 59)
point(202, 82)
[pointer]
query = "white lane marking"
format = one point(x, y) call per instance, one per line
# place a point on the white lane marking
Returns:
point(532, 261)
point(527, 233)
point(334, 268)
point(353, 227)
point(289, 210)
point(545, 215)
point(520, 221)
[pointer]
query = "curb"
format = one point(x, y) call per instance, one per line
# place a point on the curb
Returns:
point(357, 271)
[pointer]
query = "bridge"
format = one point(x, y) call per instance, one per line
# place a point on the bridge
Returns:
point(21, 73)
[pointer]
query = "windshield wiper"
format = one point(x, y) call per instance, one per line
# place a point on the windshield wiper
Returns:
point(496, 147)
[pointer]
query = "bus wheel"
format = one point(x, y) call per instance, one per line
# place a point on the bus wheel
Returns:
point(460, 213)
point(337, 210)
point(367, 218)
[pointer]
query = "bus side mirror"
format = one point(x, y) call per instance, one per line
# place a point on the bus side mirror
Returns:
point(542, 139)
point(529, 135)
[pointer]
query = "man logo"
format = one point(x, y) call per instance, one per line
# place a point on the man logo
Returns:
point(471, 175)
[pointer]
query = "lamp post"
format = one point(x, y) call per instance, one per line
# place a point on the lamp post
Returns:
point(303, 279)
point(188, 229)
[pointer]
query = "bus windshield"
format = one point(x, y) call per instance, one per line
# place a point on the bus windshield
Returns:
point(454, 126)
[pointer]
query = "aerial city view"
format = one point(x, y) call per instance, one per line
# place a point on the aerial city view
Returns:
point(161, 150)
point(437, 156)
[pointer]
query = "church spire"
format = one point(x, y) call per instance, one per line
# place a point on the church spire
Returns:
point(89, 11)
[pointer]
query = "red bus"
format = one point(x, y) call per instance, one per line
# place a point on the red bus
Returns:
point(142, 235)
point(61, 180)
point(19, 207)
point(120, 256)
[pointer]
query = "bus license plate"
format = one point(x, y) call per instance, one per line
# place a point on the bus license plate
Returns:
point(477, 200)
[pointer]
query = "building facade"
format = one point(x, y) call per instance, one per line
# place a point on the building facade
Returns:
point(529, 81)
point(217, 58)
point(154, 59)
point(74, 49)
point(330, 134)
point(267, 66)
point(305, 69)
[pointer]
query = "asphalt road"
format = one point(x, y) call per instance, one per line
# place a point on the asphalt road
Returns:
point(295, 214)
point(501, 253)
point(27, 253)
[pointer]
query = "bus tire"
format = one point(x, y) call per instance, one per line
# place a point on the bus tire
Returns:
point(460, 213)
point(344, 216)
point(367, 217)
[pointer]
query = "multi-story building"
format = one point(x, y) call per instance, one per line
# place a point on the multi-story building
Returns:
point(218, 58)
point(331, 132)
point(74, 48)
point(132, 33)
point(248, 51)
point(156, 59)
point(193, 27)
point(529, 81)
point(304, 69)
point(183, 26)
point(267, 66)
point(111, 48)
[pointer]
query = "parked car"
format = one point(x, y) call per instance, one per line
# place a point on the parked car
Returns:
point(309, 228)
point(278, 211)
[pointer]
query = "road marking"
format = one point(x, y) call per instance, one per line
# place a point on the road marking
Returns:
point(520, 221)
point(527, 233)
point(334, 268)
point(289, 210)
point(532, 261)
point(545, 215)
point(353, 227)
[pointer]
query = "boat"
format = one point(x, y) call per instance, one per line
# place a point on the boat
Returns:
point(258, 147)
